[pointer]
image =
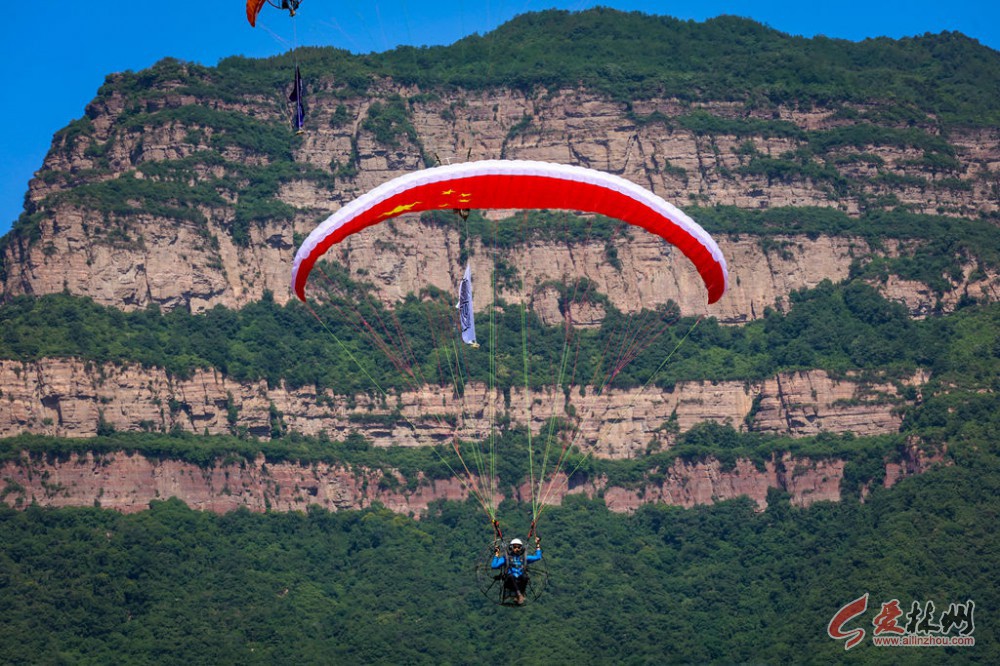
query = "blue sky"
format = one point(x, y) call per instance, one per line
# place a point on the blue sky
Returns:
point(57, 53)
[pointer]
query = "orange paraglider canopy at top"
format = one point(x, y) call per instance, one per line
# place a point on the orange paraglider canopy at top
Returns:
point(253, 8)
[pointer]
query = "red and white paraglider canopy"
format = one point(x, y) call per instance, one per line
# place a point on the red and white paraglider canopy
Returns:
point(517, 184)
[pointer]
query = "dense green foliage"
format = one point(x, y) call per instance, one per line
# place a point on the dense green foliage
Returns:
point(389, 121)
point(631, 55)
point(712, 584)
point(838, 328)
point(206, 451)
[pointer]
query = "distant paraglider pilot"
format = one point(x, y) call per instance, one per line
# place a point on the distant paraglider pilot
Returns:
point(515, 568)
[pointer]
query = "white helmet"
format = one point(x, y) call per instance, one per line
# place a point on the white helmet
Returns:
point(516, 542)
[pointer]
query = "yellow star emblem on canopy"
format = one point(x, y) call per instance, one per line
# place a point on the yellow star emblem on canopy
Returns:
point(402, 208)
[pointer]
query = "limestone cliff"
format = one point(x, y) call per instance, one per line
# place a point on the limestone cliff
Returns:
point(69, 398)
point(127, 482)
point(183, 195)
point(184, 252)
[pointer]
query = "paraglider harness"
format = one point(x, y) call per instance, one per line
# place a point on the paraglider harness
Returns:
point(296, 96)
point(504, 585)
point(291, 5)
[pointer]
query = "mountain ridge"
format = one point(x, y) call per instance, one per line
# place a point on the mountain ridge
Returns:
point(817, 163)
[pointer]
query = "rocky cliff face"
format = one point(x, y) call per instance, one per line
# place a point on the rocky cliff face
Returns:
point(146, 203)
point(138, 254)
point(128, 483)
point(69, 398)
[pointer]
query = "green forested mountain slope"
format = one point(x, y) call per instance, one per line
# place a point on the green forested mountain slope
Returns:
point(907, 94)
point(727, 58)
point(718, 583)
point(634, 56)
